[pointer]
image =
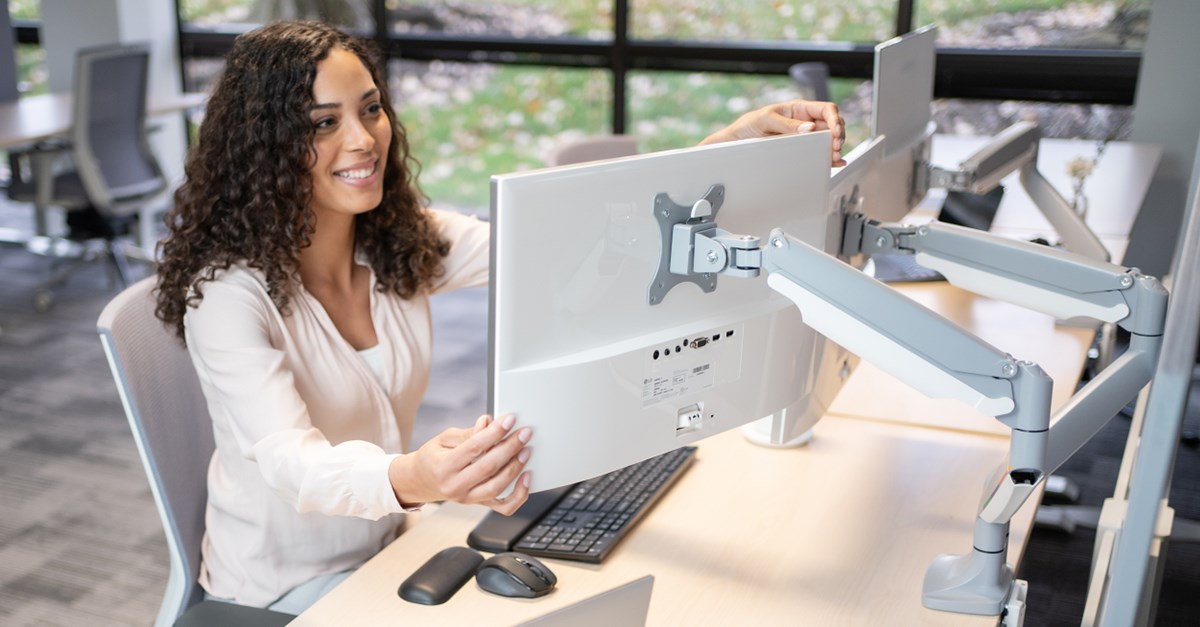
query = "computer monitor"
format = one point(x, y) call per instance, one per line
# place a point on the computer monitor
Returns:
point(605, 378)
point(901, 114)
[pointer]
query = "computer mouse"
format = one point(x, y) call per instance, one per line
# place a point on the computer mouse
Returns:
point(514, 574)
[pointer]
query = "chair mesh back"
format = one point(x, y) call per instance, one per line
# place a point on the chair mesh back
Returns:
point(594, 149)
point(812, 77)
point(112, 152)
point(168, 415)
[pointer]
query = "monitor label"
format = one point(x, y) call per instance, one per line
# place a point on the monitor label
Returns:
point(660, 386)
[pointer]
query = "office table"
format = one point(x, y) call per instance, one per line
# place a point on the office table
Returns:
point(838, 532)
point(36, 118)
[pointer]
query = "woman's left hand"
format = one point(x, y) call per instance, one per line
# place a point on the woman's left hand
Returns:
point(783, 118)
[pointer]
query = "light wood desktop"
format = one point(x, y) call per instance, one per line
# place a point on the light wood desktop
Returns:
point(836, 533)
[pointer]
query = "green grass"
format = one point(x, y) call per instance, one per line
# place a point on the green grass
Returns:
point(496, 119)
point(25, 9)
point(956, 11)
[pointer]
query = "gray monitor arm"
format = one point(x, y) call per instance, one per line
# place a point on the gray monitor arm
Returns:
point(1016, 149)
point(940, 359)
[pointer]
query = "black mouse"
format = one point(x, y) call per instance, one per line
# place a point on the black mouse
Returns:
point(515, 575)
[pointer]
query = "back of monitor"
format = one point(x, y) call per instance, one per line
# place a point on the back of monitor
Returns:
point(578, 353)
point(902, 117)
point(903, 80)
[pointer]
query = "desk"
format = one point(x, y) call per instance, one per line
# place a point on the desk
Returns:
point(35, 118)
point(835, 533)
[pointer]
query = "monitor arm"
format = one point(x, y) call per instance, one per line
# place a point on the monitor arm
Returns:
point(937, 357)
point(1016, 149)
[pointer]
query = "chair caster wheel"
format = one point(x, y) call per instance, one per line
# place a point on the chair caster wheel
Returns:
point(43, 300)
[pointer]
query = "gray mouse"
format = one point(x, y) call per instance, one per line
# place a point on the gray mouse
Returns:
point(515, 575)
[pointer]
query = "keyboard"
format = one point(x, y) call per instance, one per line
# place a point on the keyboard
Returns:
point(586, 520)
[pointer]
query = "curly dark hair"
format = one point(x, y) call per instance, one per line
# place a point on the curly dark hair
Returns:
point(245, 197)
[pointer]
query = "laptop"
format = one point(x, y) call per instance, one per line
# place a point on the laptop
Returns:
point(976, 211)
point(627, 604)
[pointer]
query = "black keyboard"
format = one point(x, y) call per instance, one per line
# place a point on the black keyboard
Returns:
point(584, 521)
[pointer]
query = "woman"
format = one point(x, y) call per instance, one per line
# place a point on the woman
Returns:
point(297, 270)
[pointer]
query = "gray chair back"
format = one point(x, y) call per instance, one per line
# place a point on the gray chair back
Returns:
point(169, 419)
point(108, 133)
point(594, 149)
point(812, 78)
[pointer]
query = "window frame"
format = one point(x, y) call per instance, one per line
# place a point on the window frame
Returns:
point(1039, 75)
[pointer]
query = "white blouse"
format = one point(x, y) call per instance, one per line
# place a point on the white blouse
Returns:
point(298, 485)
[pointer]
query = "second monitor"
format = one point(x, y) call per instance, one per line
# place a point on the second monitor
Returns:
point(606, 378)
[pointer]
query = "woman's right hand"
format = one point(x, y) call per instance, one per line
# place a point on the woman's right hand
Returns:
point(467, 466)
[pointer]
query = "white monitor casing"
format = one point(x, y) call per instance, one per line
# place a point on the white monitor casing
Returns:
point(901, 114)
point(573, 338)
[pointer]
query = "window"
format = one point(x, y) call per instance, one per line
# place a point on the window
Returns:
point(860, 21)
point(671, 71)
point(31, 59)
point(1097, 25)
point(239, 14)
point(675, 109)
point(467, 121)
point(587, 19)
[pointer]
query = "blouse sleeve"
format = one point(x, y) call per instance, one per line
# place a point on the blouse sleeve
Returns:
point(468, 262)
point(228, 336)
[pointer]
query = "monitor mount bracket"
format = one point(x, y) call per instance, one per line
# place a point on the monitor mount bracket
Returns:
point(942, 360)
point(694, 249)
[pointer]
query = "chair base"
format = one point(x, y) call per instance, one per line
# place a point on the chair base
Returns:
point(70, 256)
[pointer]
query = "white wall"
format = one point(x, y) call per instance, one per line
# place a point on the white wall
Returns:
point(1165, 113)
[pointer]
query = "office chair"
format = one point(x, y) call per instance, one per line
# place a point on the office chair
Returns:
point(812, 78)
point(594, 149)
point(173, 432)
point(113, 171)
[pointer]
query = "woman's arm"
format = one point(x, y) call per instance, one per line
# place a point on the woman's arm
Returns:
point(782, 118)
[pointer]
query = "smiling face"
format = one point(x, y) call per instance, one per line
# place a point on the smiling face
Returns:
point(352, 134)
